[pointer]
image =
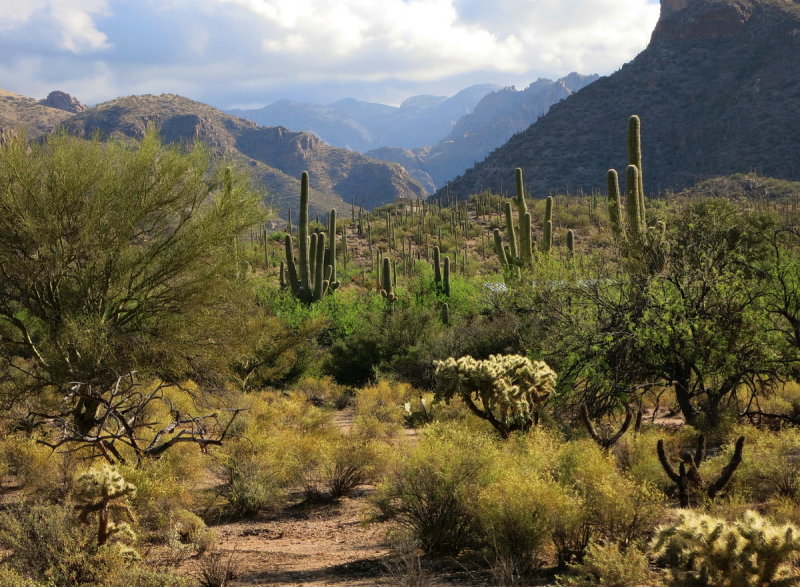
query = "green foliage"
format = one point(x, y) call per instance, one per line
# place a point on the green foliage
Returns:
point(429, 491)
point(505, 390)
point(611, 566)
point(517, 514)
point(47, 545)
point(616, 507)
point(702, 550)
point(277, 447)
point(118, 259)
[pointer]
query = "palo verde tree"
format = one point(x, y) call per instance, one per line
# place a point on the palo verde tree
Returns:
point(116, 258)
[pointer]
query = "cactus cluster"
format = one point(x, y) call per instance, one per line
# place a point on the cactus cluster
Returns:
point(505, 390)
point(103, 491)
point(702, 550)
point(314, 275)
point(688, 474)
point(629, 222)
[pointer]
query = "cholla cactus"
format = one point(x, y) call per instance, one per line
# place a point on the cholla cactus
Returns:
point(102, 490)
point(505, 390)
point(702, 550)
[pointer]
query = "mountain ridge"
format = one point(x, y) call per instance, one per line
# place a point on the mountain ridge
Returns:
point(707, 107)
point(361, 126)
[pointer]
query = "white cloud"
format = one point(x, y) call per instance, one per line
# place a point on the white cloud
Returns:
point(72, 21)
point(231, 50)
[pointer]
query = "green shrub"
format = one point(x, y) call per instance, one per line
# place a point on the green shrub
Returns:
point(11, 578)
point(47, 544)
point(610, 566)
point(380, 409)
point(703, 550)
point(431, 489)
point(343, 463)
point(618, 508)
point(517, 514)
point(279, 443)
point(772, 464)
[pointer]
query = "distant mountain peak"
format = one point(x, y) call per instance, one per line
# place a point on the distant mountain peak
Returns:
point(717, 90)
point(62, 101)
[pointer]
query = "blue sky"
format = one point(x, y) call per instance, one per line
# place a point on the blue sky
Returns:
point(253, 52)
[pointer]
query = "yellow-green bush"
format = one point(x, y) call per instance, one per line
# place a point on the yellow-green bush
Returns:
point(48, 545)
point(42, 472)
point(610, 566)
point(379, 409)
point(431, 489)
point(277, 445)
point(517, 514)
point(618, 508)
point(164, 486)
point(771, 463)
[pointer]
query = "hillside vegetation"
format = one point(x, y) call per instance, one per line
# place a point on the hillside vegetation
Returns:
point(582, 390)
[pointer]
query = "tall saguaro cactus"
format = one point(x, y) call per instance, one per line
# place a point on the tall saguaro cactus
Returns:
point(645, 247)
point(519, 252)
point(317, 264)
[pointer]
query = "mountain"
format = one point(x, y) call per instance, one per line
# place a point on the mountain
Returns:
point(494, 120)
point(274, 156)
point(35, 117)
point(718, 92)
point(357, 125)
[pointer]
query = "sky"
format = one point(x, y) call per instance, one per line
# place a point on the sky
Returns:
point(249, 53)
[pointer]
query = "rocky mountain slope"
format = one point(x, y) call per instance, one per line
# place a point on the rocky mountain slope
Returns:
point(275, 157)
point(718, 91)
point(493, 121)
point(34, 117)
point(359, 125)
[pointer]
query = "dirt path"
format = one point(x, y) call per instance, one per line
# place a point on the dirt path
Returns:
point(314, 545)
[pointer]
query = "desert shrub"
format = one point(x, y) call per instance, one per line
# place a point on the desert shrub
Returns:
point(619, 508)
point(164, 487)
point(343, 463)
point(43, 473)
point(187, 528)
point(703, 550)
point(380, 408)
point(140, 576)
point(48, 545)
point(388, 343)
point(11, 578)
point(279, 441)
point(610, 566)
point(636, 453)
point(431, 488)
point(322, 391)
point(517, 513)
point(771, 465)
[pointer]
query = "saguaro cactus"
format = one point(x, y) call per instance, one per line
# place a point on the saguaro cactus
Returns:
point(646, 247)
point(387, 286)
point(317, 264)
point(441, 277)
point(519, 252)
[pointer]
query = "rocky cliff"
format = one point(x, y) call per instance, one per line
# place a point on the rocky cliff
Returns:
point(718, 91)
